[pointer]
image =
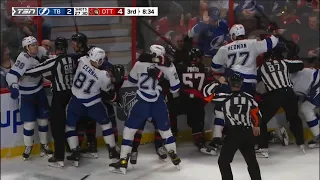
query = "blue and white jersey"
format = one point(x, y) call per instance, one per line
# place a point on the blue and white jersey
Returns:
point(241, 55)
point(89, 81)
point(148, 88)
point(27, 84)
point(304, 80)
point(210, 38)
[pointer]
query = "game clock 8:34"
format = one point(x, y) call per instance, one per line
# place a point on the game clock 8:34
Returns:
point(148, 11)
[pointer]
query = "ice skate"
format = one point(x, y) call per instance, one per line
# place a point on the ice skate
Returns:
point(134, 157)
point(119, 167)
point(90, 151)
point(302, 147)
point(27, 152)
point(284, 136)
point(175, 159)
point(53, 162)
point(210, 150)
point(313, 144)
point(162, 153)
point(262, 153)
point(45, 151)
point(216, 142)
point(114, 155)
point(74, 157)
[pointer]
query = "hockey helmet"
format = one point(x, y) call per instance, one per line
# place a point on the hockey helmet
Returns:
point(97, 55)
point(235, 80)
point(157, 50)
point(28, 41)
point(195, 55)
point(61, 44)
point(80, 38)
point(237, 30)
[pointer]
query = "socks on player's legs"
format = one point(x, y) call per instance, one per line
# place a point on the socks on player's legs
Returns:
point(308, 111)
point(43, 130)
point(128, 136)
point(108, 135)
point(170, 141)
point(136, 141)
point(91, 131)
point(158, 141)
point(218, 124)
point(28, 132)
point(81, 135)
point(72, 137)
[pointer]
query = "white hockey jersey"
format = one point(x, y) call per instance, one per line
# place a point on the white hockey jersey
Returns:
point(89, 81)
point(27, 84)
point(149, 90)
point(305, 79)
point(240, 56)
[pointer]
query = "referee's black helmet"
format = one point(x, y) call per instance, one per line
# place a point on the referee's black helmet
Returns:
point(235, 80)
point(61, 44)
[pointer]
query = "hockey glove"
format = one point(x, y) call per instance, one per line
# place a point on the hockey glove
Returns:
point(118, 74)
point(14, 90)
point(155, 73)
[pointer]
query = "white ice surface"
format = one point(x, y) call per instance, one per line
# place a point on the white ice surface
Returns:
point(284, 163)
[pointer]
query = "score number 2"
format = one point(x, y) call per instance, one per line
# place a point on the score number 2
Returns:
point(188, 77)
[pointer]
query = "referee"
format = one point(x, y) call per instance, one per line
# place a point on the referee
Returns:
point(274, 72)
point(242, 118)
point(60, 71)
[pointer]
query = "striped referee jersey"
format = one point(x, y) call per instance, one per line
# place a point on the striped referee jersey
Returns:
point(239, 108)
point(275, 73)
point(59, 70)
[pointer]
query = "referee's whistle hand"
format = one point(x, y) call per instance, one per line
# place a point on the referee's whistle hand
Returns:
point(256, 131)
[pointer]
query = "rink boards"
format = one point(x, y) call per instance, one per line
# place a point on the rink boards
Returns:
point(12, 129)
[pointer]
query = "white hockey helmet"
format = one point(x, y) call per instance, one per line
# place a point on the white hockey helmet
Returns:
point(158, 50)
point(28, 40)
point(97, 55)
point(237, 30)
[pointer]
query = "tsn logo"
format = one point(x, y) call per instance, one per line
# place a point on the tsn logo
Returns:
point(24, 11)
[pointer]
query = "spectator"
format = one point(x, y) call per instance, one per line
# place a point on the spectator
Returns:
point(47, 45)
point(246, 13)
point(5, 66)
point(46, 28)
point(14, 35)
point(222, 5)
point(309, 38)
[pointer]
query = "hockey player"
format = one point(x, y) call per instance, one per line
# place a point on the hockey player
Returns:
point(239, 56)
point(33, 100)
point(149, 103)
point(307, 83)
point(86, 101)
point(86, 125)
point(212, 33)
point(192, 73)
point(61, 83)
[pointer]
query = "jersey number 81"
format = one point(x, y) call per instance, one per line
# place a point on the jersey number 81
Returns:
point(81, 81)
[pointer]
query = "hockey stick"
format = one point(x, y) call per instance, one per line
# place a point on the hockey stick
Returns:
point(74, 18)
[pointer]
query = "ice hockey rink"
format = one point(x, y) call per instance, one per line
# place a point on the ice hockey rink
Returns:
point(284, 163)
